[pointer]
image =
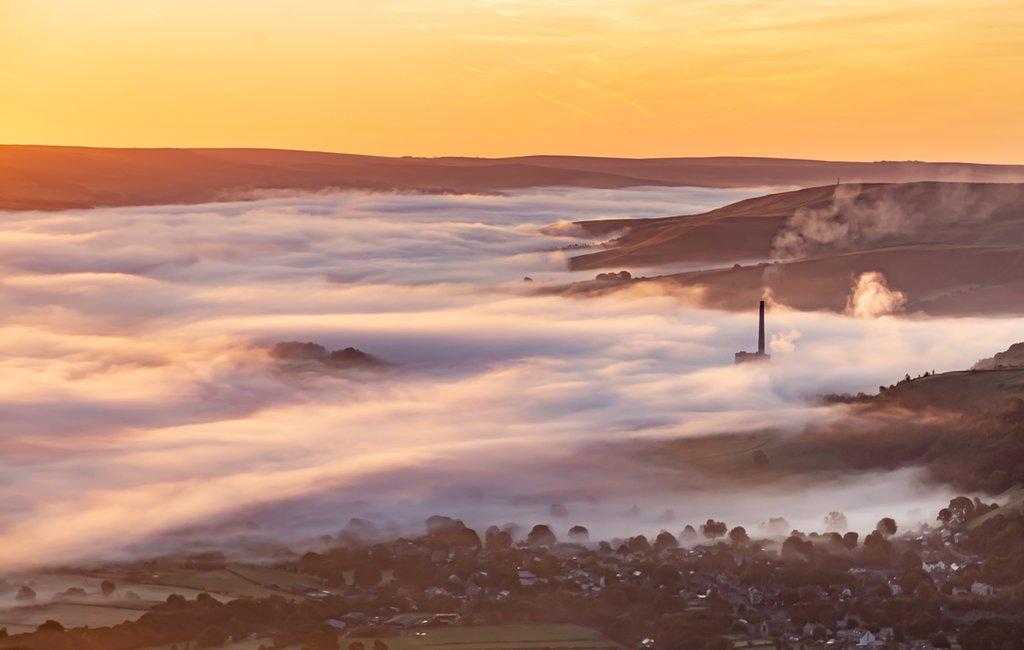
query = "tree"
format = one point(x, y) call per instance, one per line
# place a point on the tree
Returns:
point(850, 540)
point(638, 544)
point(835, 521)
point(991, 633)
point(910, 560)
point(579, 534)
point(541, 535)
point(499, 541)
point(665, 575)
point(25, 594)
point(795, 548)
point(777, 526)
point(367, 575)
point(212, 637)
point(440, 523)
point(914, 578)
point(323, 639)
point(464, 538)
point(877, 549)
point(107, 587)
point(665, 540)
point(738, 535)
point(50, 626)
point(962, 508)
point(358, 530)
point(713, 529)
point(886, 526)
point(176, 601)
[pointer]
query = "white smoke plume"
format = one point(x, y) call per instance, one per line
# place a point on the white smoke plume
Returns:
point(871, 297)
point(139, 399)
point(858, 216)
point(784, 342)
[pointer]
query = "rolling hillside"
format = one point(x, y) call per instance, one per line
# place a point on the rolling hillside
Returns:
point(56, 178)
point(950, 248)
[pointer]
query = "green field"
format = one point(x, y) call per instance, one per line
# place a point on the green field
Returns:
point(495, 637)
point(95, 610)
point(481, 637)
point(251, 644)
point(268, 577)
point(223, 583)
point(69, 615)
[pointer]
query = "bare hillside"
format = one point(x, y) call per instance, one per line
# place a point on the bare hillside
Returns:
point(819, 220)
point(947, 248)
point(54, 178)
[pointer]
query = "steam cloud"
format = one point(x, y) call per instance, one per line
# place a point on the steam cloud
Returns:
point(858, 216)
point(140, 398)
point(871, 297)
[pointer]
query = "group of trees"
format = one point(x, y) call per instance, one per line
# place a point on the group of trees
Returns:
point(628, 608)
point(961, 510)
point(204, 621)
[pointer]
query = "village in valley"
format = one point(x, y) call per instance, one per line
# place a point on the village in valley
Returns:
point(512, 325)
point(952, 584)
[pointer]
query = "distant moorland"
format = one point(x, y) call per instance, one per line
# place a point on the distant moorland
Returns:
point(58, 178)
point(948, 248)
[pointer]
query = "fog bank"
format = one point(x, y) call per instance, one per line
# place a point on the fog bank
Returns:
point(140, 398)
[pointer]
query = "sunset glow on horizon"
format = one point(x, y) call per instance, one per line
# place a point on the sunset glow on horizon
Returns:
point(582, 324)
point(862, 80)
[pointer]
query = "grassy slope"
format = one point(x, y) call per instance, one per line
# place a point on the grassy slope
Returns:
point(1012, 502)
point(963, 255)
point(956, 424)
point(964, 390)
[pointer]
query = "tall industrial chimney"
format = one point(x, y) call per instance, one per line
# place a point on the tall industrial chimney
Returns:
point(744, 357)
point(760, 330)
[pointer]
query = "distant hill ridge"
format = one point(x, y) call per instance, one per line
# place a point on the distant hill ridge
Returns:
point(948, 248)
point(1012, 357)
point(57, 178)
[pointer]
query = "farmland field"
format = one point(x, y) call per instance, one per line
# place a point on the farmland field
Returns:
point(93, 609)
point(248, 644)
point(69, 615)
point(496, 637)
point(268, 576)
point(222, 582)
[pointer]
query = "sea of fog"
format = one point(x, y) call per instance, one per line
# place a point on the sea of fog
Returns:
point(139, 401)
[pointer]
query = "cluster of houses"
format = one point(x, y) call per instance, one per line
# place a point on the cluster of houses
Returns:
point(760, 610)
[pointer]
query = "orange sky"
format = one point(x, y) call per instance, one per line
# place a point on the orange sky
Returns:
point(857, 79)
